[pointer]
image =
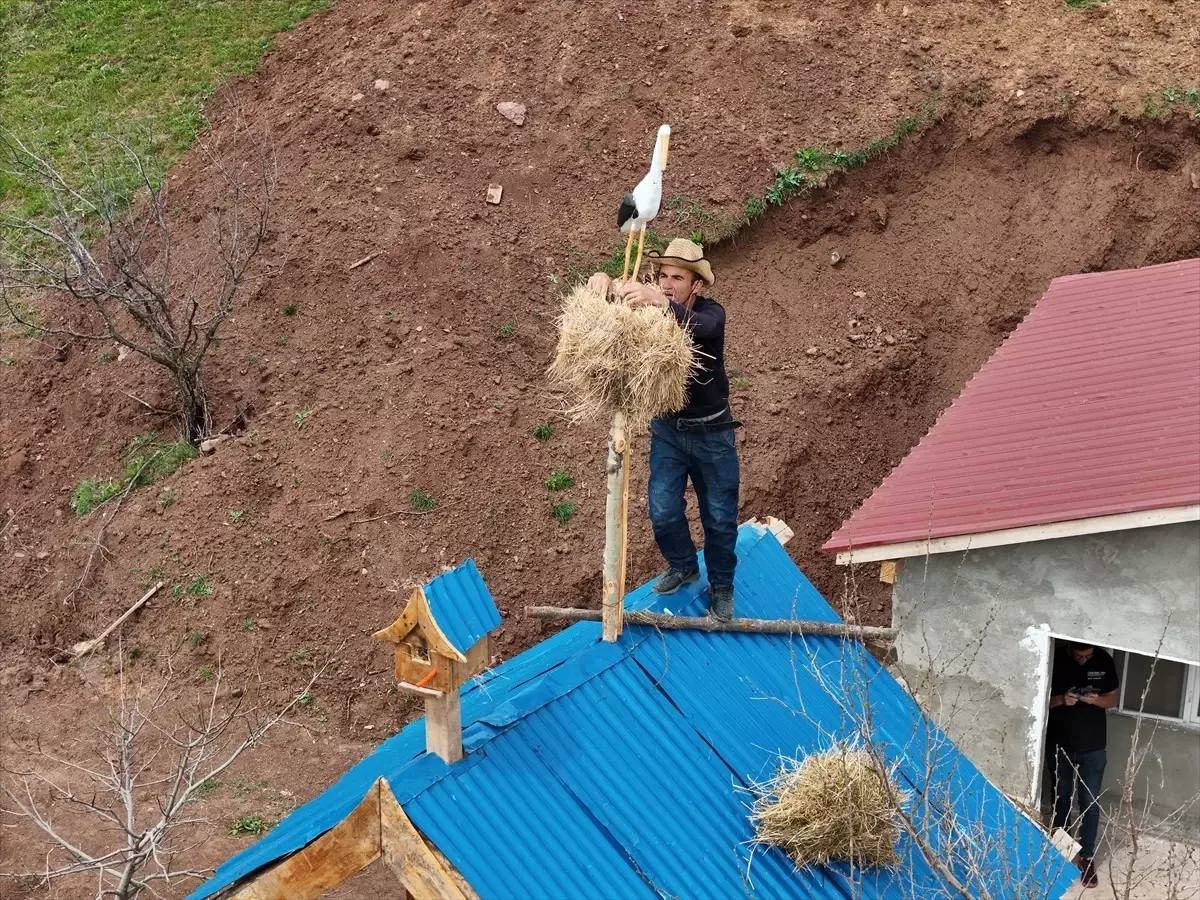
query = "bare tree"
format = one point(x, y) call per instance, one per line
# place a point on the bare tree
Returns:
point(140, 792)
point(110, 245)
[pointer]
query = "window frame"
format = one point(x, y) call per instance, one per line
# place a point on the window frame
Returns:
point(1190, 715)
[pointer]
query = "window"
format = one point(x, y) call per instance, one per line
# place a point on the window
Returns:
point(1162, 688)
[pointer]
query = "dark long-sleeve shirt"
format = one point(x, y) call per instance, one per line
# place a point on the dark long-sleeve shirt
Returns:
point(708, 386)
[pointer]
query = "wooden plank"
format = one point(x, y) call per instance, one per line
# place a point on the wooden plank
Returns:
point(699, 623)
point(409, 857)
point(348, 847)
point(443, 726)
point(888, 569)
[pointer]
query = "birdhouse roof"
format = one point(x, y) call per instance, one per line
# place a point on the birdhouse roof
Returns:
point(627, 769)
point(462, 606)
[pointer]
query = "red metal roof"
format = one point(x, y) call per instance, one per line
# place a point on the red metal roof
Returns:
point(1091, 407)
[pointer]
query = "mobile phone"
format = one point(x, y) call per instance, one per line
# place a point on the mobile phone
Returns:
point(1088, 691)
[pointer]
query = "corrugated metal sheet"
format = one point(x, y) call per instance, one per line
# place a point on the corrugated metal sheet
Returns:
point(601, 770)
point(1091, 407)
point(462, 605)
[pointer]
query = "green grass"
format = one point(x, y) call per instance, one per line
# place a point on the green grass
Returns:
point(1082, 4)
point(7, 359)
point(299, 654)
point(208, 787)
point(304, 699)
point(246, 625)
point(301, 417)
point(91, 492)
point(1159, 104)
point(207, 673)
point(813, 164)
point(543, 432)
point(72, 71)
point(196, 638)
point(506, 330)
point(199, 587)
point(236, 515)
point(564, 512)
point(421, 501)
point(559, 480)
point(290, 309)
point(615, 264)
point(249, 825)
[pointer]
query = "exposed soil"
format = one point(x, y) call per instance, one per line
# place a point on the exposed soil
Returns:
point(1032, 169)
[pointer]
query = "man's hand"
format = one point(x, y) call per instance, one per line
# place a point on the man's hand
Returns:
point(643, 295)
point(1070, 698)
point(600, 284)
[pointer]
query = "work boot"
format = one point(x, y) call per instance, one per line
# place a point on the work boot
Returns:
point(1088, 879)
point(721, 607)
point(673, 579)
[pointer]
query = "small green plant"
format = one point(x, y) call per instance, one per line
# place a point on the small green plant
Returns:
point(246, 625)
point(301, 417)
point(290, 309)
point(741, 383)
point(207, 673)
point(254, 359)
point(236, 515)
point(506, 330)
point(1082, 4)
point(136, 653)
point(208, 787)
point(421, 501)
point(196, 638)
point(249, 825)
point(105, 356)
point(299, 654)
point(559, 480)
point(304, 699)
point(281, 341)
point(563, 512)
point(391, 315)
point(7, 359)
point(543, 432)
point(91, 492)
point(166, 498)
point(199, 587)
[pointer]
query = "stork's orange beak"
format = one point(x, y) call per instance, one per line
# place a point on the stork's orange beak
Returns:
point(666, 144)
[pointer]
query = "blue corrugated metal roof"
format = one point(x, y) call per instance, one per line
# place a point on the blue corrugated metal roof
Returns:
point(462, 605)
point(627, 769)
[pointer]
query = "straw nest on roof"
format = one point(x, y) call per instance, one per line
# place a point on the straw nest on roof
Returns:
point(834, 805)
point(617, 358)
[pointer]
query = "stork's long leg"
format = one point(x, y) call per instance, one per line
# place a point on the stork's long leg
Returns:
point(628, 247)
point(641, 240)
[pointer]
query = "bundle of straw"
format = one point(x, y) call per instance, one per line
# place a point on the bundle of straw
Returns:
point(836, 804)
point(616, 358)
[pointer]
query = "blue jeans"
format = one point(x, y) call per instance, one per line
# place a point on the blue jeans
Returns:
point(1079, 773)
point(710, 459)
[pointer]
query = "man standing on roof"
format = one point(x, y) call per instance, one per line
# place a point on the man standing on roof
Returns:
point(1083, 686)
point(697, 442)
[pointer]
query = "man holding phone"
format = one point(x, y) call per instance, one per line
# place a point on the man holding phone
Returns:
point(1084, 685)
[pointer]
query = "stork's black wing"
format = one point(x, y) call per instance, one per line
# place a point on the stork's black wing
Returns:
point(627, 211)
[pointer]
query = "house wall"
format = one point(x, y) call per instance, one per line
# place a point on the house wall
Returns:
point(976, 626)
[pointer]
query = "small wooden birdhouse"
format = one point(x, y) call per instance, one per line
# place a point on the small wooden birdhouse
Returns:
point(441, 640)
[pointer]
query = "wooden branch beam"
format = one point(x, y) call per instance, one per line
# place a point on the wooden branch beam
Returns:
point(703, 623)
point(614, 528)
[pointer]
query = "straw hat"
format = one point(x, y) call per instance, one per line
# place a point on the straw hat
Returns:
point(686, 255)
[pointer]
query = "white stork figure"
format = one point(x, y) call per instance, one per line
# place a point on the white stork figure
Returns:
point(640, 205)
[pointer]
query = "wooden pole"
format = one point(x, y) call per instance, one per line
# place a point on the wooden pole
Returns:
point(83, 648)
point(704, 623)
point(443, 726)
point(614, 528)
point(624, 539)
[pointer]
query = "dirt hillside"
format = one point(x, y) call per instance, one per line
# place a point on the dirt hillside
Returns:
point(1050, 151)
